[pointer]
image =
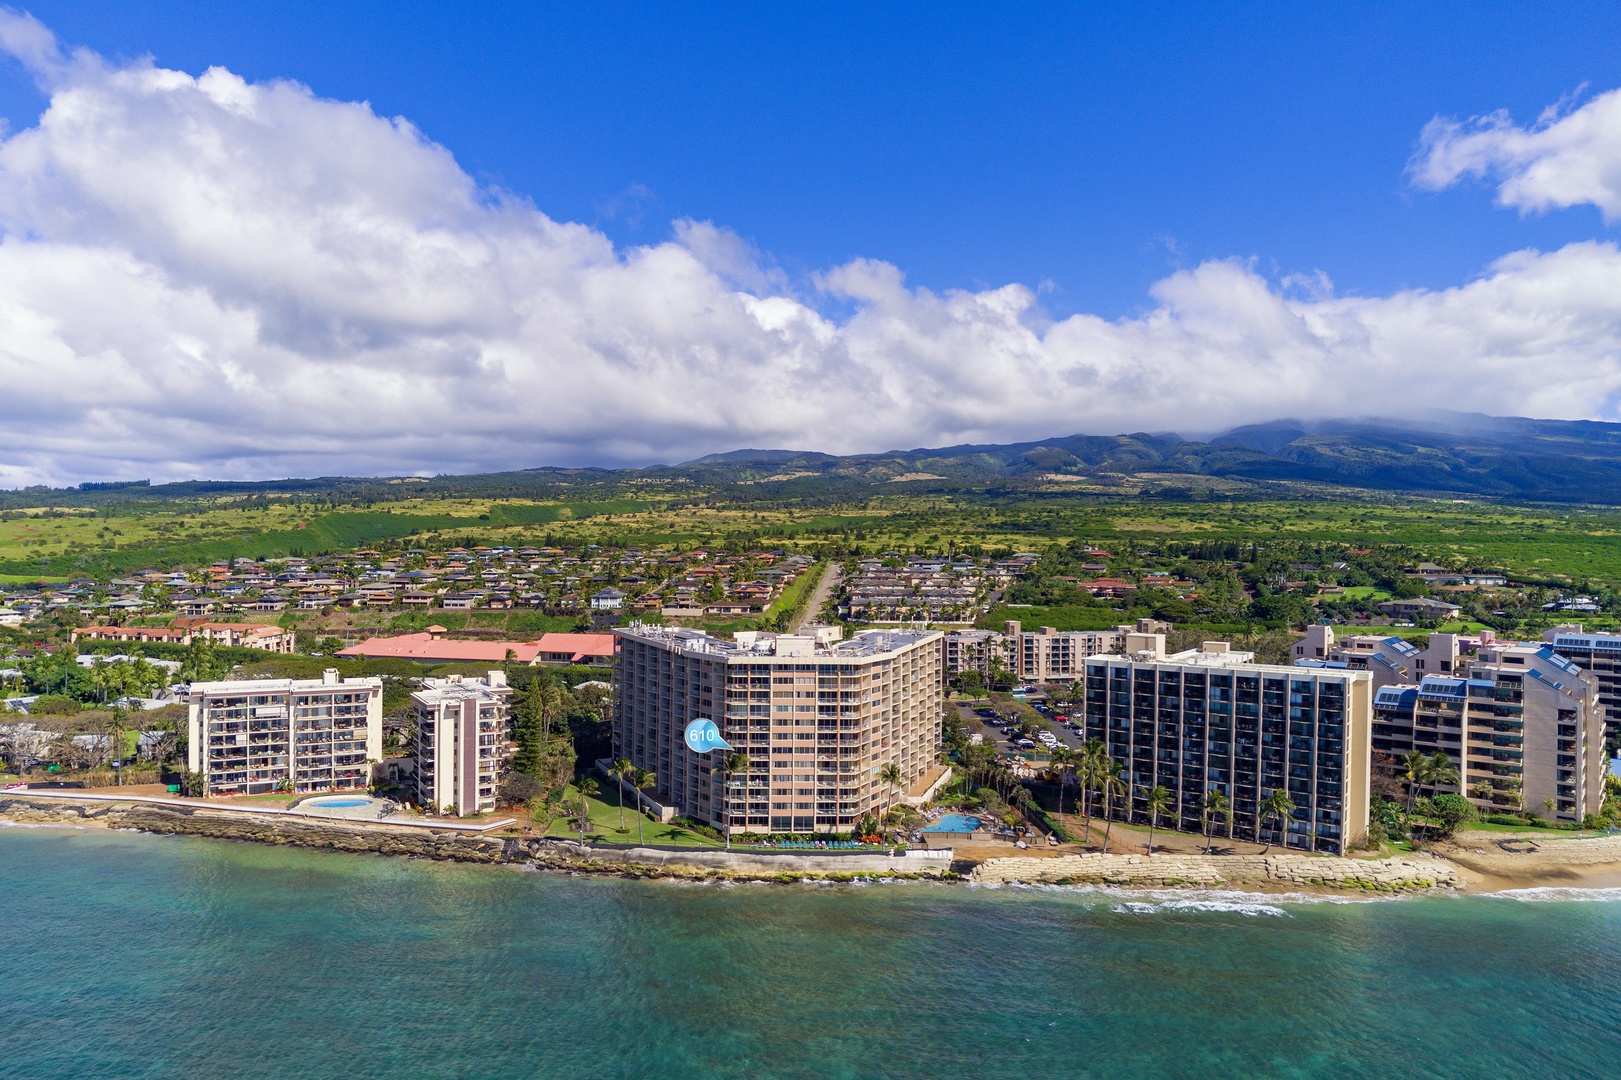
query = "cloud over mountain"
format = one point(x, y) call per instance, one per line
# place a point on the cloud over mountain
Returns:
point(202, 276)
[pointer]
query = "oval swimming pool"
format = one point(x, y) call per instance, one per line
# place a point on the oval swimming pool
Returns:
point(331, 803)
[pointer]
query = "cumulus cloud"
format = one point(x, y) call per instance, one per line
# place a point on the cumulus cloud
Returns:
point(203, 276)
point(1568, 157)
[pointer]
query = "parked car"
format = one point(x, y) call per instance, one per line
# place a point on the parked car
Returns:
point(1025, 744)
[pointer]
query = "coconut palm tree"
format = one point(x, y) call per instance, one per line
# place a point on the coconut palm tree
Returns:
point(735, 761)
point(1442, 770)
point(642, 780)
point(1112, 782)
point(1280, 808)
point(891, 775)
point(1063, 762)
point(587, 787)
point(1415, 771)
point(1157, 801)
point(1215, 806)
point(622, 770)
point(1091, 763)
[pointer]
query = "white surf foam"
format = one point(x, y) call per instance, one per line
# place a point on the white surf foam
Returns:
point(1559, 894)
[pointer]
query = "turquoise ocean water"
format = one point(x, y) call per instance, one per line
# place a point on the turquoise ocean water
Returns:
point(124, 955)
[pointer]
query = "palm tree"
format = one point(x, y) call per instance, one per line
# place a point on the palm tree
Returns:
point(587, 788)
point(1215, 806)
point(1112, 782)
point(1091, 766)
point(1158, 800)
point(622, 770)
point(1280, 808)
point(1415, 771)
point(891, 774)
point(736, 761)
point(1442, 770)
point(1063, 761)
point(643, 780)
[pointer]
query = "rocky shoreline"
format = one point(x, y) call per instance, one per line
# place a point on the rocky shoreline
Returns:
point(1481, 864)
point(1283, 870)
point(381, 838)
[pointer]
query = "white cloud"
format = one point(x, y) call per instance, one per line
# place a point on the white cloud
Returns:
point(1567, 158)
point(201, 276)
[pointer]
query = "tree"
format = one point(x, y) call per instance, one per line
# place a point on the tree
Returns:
point(622, 771)
point(1157, 800)
point(1112, 783)
point(643, 780)
point(1091, 765)
point(1415, 769)
point(1063, 762)
point(735, 761)
point(1215, 806)
point(891, 775)
point(587, 788)
point(1442, 770)
point(519, 788)
point(1448, 811)
point(1278, 807)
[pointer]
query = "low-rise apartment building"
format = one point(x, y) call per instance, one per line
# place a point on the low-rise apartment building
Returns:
point(1522, 724)
point(463, 742)
point(243, 635)
point(251, 736)
point(1211, 719)
point(819, 718)
point(1042, 655)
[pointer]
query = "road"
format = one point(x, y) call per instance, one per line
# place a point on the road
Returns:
point(824, 589)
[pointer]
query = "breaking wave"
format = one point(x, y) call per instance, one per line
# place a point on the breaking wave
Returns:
point(1560, 894)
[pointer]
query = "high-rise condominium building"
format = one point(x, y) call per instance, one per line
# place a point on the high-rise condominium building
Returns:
point(818, 717)
point(1599, 655)
point(1522, 725)
point(1211, 719)
point(463, 742)
point(249, 736)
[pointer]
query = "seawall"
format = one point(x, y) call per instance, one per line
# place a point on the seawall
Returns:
point(420, 841)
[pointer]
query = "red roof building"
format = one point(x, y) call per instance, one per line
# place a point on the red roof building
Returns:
point(432, 647)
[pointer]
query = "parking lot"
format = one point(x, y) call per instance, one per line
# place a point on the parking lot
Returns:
point(975, 722)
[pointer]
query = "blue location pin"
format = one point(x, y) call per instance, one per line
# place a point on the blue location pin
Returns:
point(703, 736)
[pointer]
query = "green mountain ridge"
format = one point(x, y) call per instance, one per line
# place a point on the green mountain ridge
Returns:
point(1463, 454)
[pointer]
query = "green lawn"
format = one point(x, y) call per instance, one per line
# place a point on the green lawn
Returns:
point(604, 824)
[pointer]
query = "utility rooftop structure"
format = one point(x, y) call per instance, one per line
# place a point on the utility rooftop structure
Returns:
point(250, 736)
point(819, 718)
point(1211, 719)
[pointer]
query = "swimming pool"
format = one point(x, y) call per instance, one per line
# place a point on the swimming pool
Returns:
point(954, 823)
point(328, 804)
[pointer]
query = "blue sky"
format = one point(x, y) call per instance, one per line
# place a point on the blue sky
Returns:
point(257, 241)
point(1091, 148)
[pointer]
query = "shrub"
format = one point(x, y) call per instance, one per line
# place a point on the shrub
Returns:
point(698, 827)
point(55, 705)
